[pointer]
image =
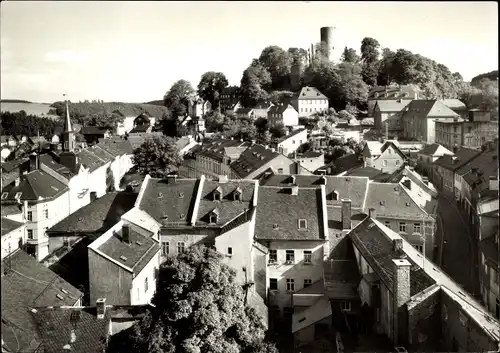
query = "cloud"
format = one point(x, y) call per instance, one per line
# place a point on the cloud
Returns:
point(65, 56)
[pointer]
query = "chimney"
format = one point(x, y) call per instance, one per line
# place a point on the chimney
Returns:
point(222, 179)
point(372, 213)
point(294, 190)
point(126, 233)
point(297, 165)
point(425, 180)
point(323, 180)
point(171, 179)
point(455, 149)
point(17, 181)
point(34, 162)
point(100, 305)
point(494, 183)
point(454, 159)
point(346, 214)
point(287, 132)
point(400, 296)
point(397, 244)
point(253, 142)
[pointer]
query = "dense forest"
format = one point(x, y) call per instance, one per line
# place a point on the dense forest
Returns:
point(20, 123)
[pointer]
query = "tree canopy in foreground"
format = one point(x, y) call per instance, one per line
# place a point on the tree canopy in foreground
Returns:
point(157, 157)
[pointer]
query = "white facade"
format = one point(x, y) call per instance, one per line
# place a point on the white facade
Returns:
point(128, 124)
point(12, 240)
point(289, 117)
point(291, 143)
point(308, 107)
point(311, 163)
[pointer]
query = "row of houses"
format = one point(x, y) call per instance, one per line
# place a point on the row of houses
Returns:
point(320, 250)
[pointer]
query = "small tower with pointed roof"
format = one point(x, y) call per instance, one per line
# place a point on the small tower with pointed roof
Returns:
point(68, 137)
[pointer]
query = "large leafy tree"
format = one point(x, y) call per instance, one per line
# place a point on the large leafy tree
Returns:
point(157, 157)
point(349, 55)
point(369, 57)
point(19, 123)
point(278, 63)
point(211, 86)
point(200, 308)
point(240, 129)
point(178, 96)
point(255, 82)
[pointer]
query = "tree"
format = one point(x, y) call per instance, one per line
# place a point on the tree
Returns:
point(298, 55)
point(211, 86)
point(214, 121)
point(369, 57)
point(279, 96)
point(265, 138)
point(349, 55)
point(157, 157)
point(278, 131)
point(240, 129)
point(278, 63)
point(200, 308)
point(178, 96)
point(255, 82)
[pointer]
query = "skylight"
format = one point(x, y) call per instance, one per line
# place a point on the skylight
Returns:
point(60, 297)
point(123, 258)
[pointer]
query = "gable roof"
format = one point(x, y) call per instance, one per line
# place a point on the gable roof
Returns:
point(253, 158)
point(291, 135)
point(454, 162)
point(279, 211)
point(97, 216)
point(434, 149)
point(280, 108)
point(428, 108)
point(8, 225)
point(50, 162)
point(310, 93)
point(376, 148)
point(89, 160)
point(476, 172)
point(454, 104)
point(390, 105)
point(215, 149)
point(116, 147)
point(370, 172)
point(37, 185)
point(29, 284)
point(347, 162)
point(9, 166)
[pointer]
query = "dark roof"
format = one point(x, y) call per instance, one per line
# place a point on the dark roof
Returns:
point(377, 249)
point(280, 108)
point(335, 217)
point(489, 249)
point(347, 162)
point(10, 209)
point(292, 134)
point(244, 110)
point(353, 188)
point(227, 209)
point(51, 162)
point(310, 93)
point(116, 147)
point(477, 171)
point(8, 225)
point(138, 252)
point(55, 325)
point(36, 184)
point(9, 166)
point(140, 128)
point(370, 172)
point(29, 284)
point(10, 177)
point(462, 156)
point(279, 211)
point(391, 200)
point(92, 130)
point(97, 216)
point(90, 160)
point(215, 149)
point(252, 159)
point(137, 139)
point(311, 154)
point(392, 91)
point(101, 154)
point(391, 105)
point(430, 149)
point(428, 108)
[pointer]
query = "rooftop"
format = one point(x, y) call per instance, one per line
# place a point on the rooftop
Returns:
point(279, 212)
point(29, 284)
point(393, 92)
point(92, 130)
point(434, 150)
point(292, 134)
point(215, 149)
point(311, 154)
point(97, 216)
point(370, 172)
point(37, 185)
point(8, 225)
point(428, 108)
point(90, 160)
point(462, 156)
point(454, 104)
point(392, 105)
point(346, 163)
point(310, 93)
point(253, 158)
point(476, 172)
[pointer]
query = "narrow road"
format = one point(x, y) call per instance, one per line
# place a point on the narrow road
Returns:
point(459, 248)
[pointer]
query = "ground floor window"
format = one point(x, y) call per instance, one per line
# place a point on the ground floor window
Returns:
point(31, 249)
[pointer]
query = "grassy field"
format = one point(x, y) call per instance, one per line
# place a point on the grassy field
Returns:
point(38, 109)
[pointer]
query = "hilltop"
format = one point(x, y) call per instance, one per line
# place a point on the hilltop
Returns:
point(492, 76)
point(37, 109)
point(13, 101)
point(125, 109)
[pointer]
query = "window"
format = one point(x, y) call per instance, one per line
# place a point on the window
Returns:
point(387, 224)
point(384, 163)
point(46, 214)
point(307, 282)
point(302, 224)
point(290, 256)
point(30, 216)
point(273, 256)
point(416, 227)
point(419, 247)
point(4, 195)
point(345, 306)
point(180, 247)
point(307, 256)
point(293, 142)
point(237, 196)
point(469, 129)
point(389, 151)
point(213, 218)
point(273, 284)
point(145, 285)
point(280, 170)
point(164, 248)
point(335, 195)
point(230, 251)
point(30, 233)
point(402, 227)
point(290, 284)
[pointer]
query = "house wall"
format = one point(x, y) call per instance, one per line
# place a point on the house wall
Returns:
point(12, 240)
point(138, 293)
point(476, 134)
point(97, 180)
point(307, 107)
point(280, 162)
point(446, 178)
point(108, 280)
point(259, 259)
point(388, 162)
point(311, 164)
point(307, 334)
point(77, 185)
point(424, 323)
point(126, 125)
point(391, 119)
point(430, 130)
point(449, 134)
point(291, 144)
point(240, 240)
point(459, 327)
point(298, 271)
point(290, 117)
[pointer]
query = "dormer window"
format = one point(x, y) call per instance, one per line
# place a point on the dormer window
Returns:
point(237, 194)
point(4, 195)
point(213, 218)
point(302, 224)
point(334, 195)
point(18, 195)
point(217, 194)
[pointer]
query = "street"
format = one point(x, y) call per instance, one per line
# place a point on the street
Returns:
point(459, 248)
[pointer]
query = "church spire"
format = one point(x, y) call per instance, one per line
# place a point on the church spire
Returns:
point(67, 121)
point(68, 135)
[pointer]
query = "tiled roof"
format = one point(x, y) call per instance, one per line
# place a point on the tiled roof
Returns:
point(430, 149)
point(428, 108)
point(36, 184)
point(292, 134)
point(92, 130)
point(377, 249)
point(9, 177)
point(391, 200)
point(169, 201)
point(55, 326)
point(370, 172)
point(454, 104)
point(9, 166)
point(485, 164)
point(347, 162)
point(97, 216)
point(279, 211)
point(138, 252)
point(312, 154)
point(462, 156)
point(8, 209)
point(140, 128)
point(8, 225)
point(392, 92)
point(228, 209)
point(49, 161)
point(29, 284)
point(252, 159)
point(215, 149)
point(310, 93)
point(353, 188)
point(392, 105)
point(101, 154)
point(90, 160)
point(116, 148)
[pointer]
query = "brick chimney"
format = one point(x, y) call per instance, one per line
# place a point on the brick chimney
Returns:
point(100, 305)
point(346, 214)
point(126, 233)
point(372, 213)
point(397, 244)
point(400, 296)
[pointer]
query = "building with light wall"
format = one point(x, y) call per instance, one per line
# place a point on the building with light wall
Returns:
point(283, 113)
point(13, 236)
point(444, 168)
point(311, 160)
point(387, 115)
point(123, 266)
point(309, 101)
point(291, 142)
point(385, 156)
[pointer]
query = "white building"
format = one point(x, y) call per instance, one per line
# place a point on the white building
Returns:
point(284, 114)
point(13, 236)
point(292, 141)
point(310, 101)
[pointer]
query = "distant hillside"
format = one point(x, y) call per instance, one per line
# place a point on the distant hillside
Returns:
point(493, 76)
point(13, 101)
point(36, 109)
point(160, 102)
point(126, 109)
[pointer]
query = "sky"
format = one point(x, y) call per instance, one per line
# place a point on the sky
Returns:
point(134, 51)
